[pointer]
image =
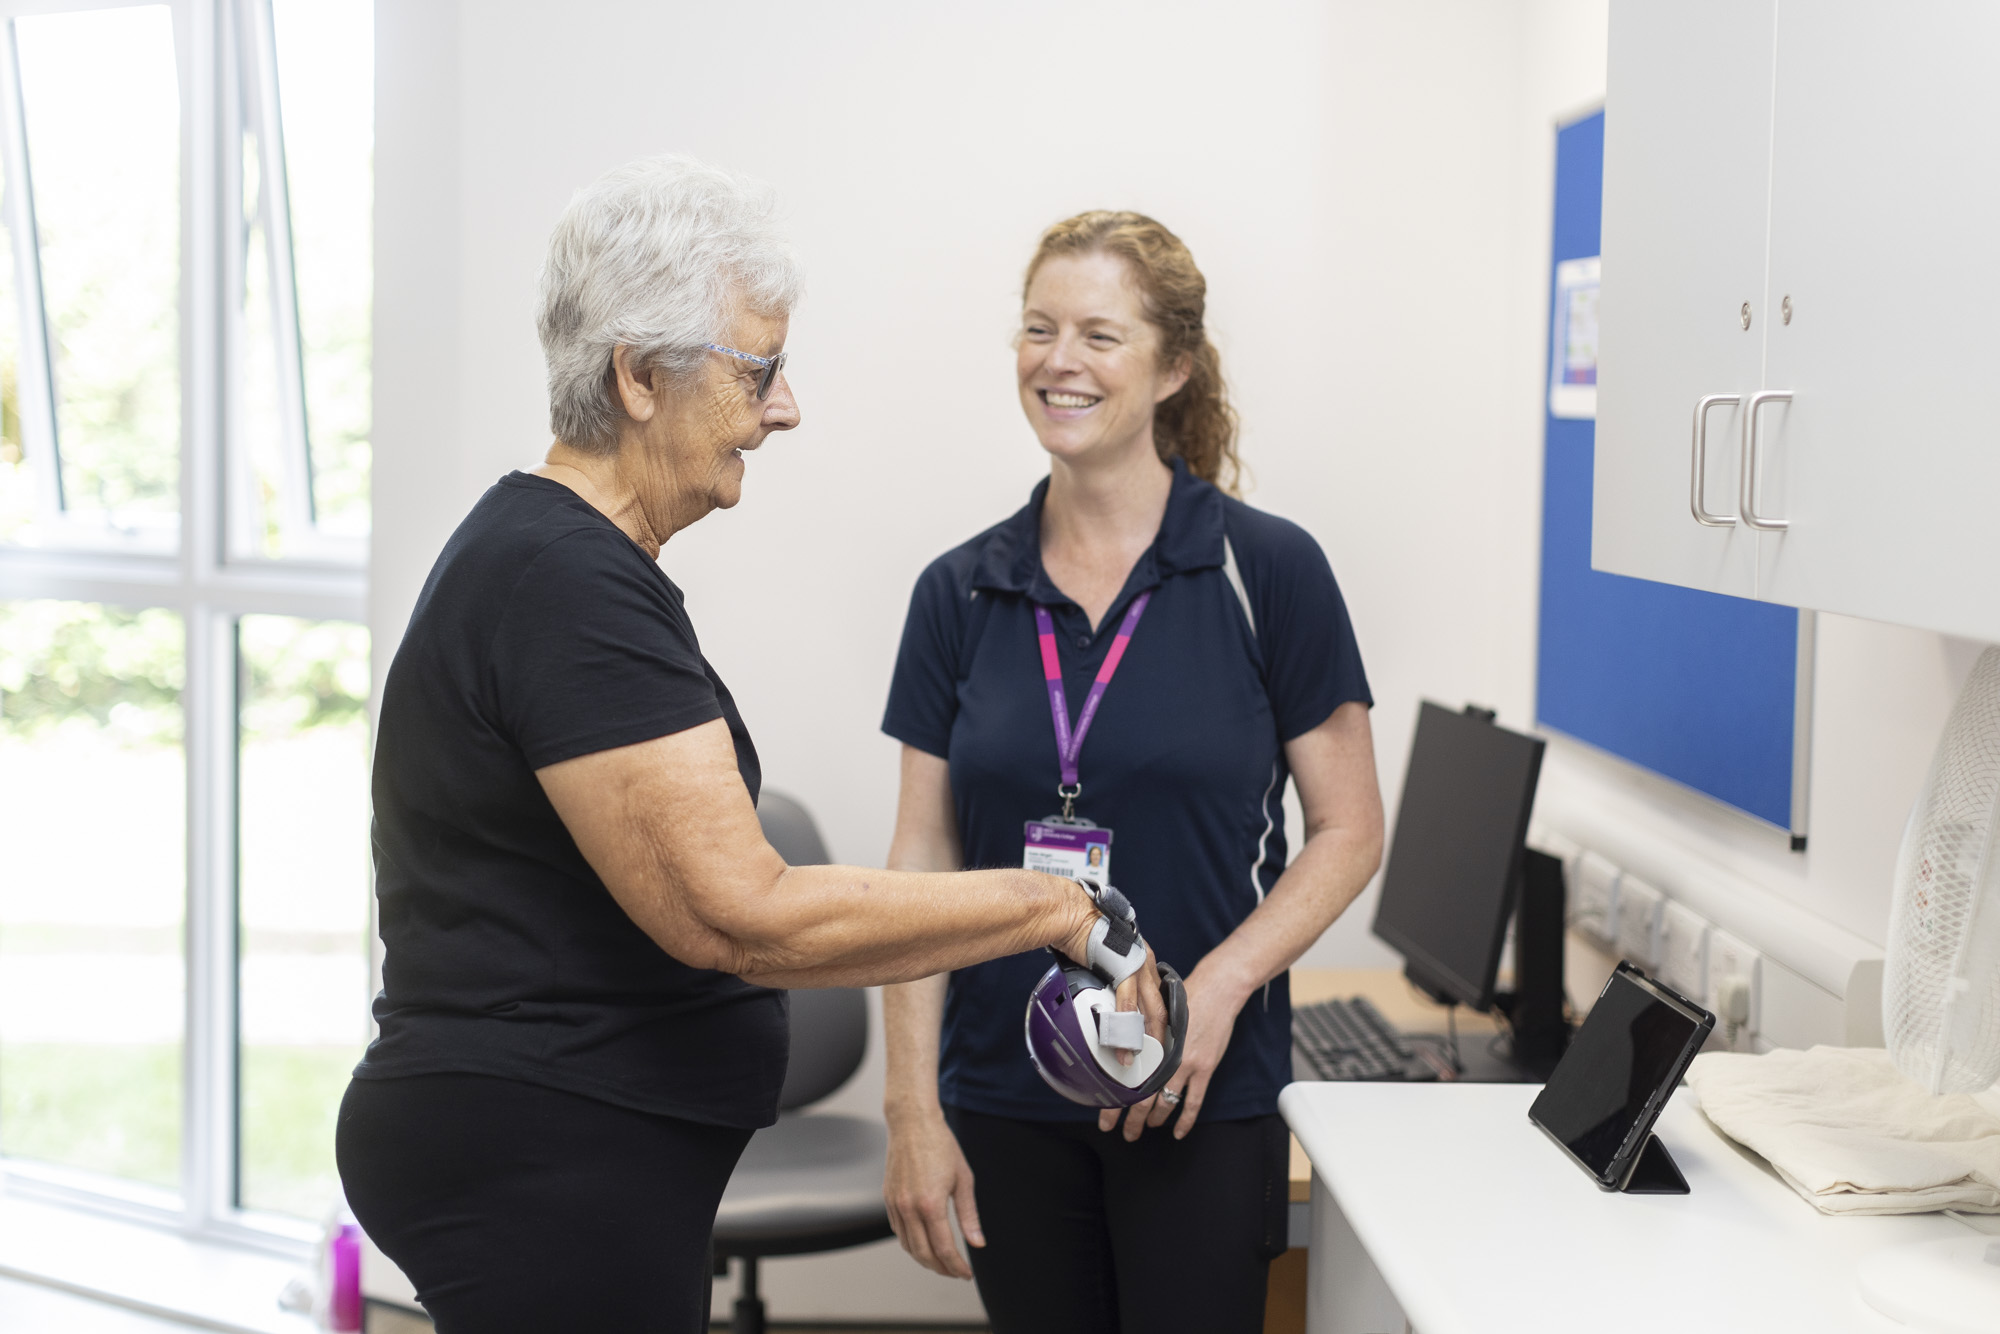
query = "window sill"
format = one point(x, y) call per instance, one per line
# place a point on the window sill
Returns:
point(159, 1272)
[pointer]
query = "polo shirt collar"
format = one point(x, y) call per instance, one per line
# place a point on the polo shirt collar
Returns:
point(1190, 538)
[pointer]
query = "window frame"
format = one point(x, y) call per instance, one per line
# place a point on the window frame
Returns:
point(205, 576)
point(250, 103)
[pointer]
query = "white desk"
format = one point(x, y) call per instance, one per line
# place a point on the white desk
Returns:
point(1441, 1204)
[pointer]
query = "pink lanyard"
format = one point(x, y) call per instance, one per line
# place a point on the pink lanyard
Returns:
point(1069, 745)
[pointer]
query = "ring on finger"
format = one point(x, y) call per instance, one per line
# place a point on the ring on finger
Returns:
point(1170, 1098)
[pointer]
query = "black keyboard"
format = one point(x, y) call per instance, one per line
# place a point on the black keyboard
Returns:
point(1349, 1039)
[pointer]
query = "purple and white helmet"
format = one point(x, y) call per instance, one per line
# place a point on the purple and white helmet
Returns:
point(1066, 1018)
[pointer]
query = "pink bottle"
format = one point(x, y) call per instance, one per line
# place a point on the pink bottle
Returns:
point(343, 1305)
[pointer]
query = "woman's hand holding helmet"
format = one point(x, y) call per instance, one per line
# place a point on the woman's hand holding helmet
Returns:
point(1212, 1011)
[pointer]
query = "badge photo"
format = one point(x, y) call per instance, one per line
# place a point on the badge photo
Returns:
point(1076, 849)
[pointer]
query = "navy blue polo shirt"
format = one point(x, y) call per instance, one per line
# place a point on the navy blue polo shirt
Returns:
point(1185, 762)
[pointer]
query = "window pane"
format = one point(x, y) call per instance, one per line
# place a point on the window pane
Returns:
point(303, 780)
point(102, 114)
point(326, 87)
point(261, 409)
point(17, 479)
point(91, 974)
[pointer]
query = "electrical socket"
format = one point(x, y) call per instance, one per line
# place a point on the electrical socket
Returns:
point(1636, 915)
point(1730, 960)
point(1557, 845)
point(1683, 952)
point(1593, 901)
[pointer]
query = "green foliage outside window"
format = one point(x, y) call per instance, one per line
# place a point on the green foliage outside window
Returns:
point(102, 109)
point(92, 738)
point(82, 662)
point(91, 897)
point(85, 663)
point(301, 674)
point(88, 689)
point(301, 900)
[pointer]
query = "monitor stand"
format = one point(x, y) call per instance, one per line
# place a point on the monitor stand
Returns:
point(1534, 1009)
point(1485, 1059)
point(1538, 1032)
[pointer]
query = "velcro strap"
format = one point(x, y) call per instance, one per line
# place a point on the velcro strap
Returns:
point(1116, 951)
point(1123, 1029)
point(1111, 902)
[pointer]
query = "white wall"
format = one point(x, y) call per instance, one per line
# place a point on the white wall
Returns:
point(1367, 186)
point(1347, 174)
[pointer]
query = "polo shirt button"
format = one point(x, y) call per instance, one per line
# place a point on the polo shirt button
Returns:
point(1083, 641)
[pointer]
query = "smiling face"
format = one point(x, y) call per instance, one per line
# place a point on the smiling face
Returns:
point(1088, 361)
point(683, 455)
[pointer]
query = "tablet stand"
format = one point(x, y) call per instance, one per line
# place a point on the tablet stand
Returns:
point(1656, 1172)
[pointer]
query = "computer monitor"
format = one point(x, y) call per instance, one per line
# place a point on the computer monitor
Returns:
point(1455, 861)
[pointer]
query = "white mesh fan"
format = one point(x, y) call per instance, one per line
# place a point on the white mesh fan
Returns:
point(1941, 991)
point(1941, 982)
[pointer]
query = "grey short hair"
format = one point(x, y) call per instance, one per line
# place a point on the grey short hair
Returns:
point(655, 255)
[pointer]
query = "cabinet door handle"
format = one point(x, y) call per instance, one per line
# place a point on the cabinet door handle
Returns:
point(1748, 497)
point(1700, 465)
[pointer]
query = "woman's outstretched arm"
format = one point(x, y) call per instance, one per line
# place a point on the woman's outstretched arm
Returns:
point(669, 827)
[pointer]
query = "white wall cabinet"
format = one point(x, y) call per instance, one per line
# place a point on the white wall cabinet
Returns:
point(1687, 164)
point(1833, 167)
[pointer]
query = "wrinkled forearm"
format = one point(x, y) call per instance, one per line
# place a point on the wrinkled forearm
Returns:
point(833, 926)
point(669, 827)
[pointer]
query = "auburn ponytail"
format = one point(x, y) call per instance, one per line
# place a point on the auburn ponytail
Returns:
point(1196, 424)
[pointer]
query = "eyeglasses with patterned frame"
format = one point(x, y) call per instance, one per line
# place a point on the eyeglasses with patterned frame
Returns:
point(773, 366)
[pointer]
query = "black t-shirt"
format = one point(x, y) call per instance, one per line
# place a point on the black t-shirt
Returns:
point(542, 634)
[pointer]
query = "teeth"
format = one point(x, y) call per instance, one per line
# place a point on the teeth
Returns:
point(1059, 400)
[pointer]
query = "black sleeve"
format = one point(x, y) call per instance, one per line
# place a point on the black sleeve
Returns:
point(594, 652)
point(923, 693)
point(1312, 664)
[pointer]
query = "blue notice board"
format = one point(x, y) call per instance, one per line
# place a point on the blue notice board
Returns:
point(1696, 686)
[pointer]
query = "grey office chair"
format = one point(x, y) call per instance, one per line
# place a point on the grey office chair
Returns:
point(808, 1183)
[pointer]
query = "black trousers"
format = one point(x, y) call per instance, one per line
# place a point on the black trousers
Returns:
point(1087, 1233)
point(513, 1207)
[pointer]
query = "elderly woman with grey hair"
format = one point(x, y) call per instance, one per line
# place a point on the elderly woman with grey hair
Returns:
point(583, 920)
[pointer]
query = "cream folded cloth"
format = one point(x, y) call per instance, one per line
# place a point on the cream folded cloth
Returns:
point(1851, 1134)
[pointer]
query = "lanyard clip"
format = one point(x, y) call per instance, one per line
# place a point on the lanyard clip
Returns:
point(1069, 792)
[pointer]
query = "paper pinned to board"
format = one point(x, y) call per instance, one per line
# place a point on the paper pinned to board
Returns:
point(1573, 359)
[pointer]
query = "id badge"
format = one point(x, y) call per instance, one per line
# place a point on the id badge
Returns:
point(1074, 848)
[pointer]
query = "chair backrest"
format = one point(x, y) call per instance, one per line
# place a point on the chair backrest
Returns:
point(830, 1024)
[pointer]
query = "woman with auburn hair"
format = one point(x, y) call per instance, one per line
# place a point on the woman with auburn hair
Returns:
point(1213, 657)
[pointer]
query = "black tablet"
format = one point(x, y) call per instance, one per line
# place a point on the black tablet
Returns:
point(1619, 1071)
